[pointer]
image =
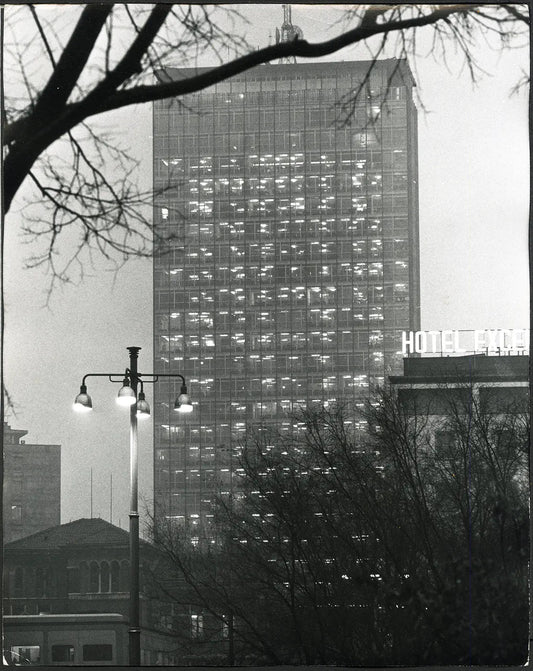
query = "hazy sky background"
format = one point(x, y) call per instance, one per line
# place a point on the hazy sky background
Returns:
point(474, 193)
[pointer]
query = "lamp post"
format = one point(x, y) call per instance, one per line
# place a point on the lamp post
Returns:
point(139, 408)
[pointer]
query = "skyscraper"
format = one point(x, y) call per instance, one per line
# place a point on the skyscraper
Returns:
point(294, 264)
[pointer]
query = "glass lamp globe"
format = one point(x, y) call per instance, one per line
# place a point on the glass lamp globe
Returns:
point(183, 404)
point(83, 402)
point(143, 408)
point(126, 395)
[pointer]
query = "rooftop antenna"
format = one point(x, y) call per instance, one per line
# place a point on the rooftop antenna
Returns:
point(288, 33)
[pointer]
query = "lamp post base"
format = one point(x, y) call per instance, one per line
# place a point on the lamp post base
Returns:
point(134, 647)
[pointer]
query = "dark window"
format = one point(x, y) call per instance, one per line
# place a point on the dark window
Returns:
point(98, 652)
point(19, 609)
point(115, 576)
point(104, 577)
point(435, 401)
point(94, 576)
point(84, 577)
point(504, 399)
point(18, 581)
point(40, 582)
point(505, 438)
point(62, 653)
point(73, 579)
point(16, 485)
point(124, 576)
point(444, 442)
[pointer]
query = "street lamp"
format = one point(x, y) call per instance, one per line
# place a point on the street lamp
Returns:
point(139, 408)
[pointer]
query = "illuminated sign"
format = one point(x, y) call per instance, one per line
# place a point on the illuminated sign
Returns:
point(490, 341)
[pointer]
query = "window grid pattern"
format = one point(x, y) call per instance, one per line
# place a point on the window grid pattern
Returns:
point(289, 279)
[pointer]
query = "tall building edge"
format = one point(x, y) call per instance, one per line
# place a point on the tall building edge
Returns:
point(155, 332)
point(415, 318)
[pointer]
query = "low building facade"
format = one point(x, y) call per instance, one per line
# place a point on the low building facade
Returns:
point(431, 383)
point(59, 581)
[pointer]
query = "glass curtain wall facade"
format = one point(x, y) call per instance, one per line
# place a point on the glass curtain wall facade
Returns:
point(293, 267)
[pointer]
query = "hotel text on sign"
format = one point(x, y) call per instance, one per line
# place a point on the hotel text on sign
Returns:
point(491, 341)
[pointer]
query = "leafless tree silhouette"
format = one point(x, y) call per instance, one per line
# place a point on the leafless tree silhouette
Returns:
point(402, 544)
point(55, 88)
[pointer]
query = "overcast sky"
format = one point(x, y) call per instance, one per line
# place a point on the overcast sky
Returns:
point(474, 192)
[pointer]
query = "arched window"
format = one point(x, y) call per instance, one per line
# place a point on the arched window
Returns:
point(94, 577)
point(124, 584)
point(40, 582)
point(115, 576)
point(73, 580)
point(104, 577)
point(84, 577)
point(18, 581)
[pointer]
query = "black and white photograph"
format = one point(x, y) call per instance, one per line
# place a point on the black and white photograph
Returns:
point(265, 335)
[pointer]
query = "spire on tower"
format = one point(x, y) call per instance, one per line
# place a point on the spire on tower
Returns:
point(288, 32)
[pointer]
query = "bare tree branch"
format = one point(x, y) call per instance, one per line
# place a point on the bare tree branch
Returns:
point(69, 67)
point(368, 546)
point(92, 74)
